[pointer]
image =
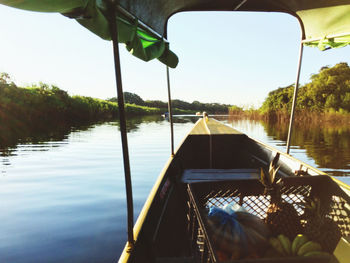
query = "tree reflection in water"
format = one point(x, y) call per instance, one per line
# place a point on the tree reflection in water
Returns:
point(327, 143)
point(11, 135)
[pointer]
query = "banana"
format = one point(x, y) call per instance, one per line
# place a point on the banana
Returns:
point(298, 241)
point(317, 253)
point(276, 244)
point(308, 247)
point(287, 245)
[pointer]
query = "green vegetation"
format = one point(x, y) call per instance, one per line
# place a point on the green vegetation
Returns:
point(41, 108)
point(235, 110)
point(42, 103)
point(327, 92)
point(325, 98)
point(179, 106)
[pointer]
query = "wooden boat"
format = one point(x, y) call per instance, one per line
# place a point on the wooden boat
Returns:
point(214, 161)
point(212, 153)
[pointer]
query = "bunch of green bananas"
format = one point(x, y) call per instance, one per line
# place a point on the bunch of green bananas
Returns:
point(301, 246)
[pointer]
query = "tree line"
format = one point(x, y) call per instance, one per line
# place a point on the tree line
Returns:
point(195, 106)
point(327, 92)
point(40, 106)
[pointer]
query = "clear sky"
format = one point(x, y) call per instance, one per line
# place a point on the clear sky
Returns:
point(226, 57)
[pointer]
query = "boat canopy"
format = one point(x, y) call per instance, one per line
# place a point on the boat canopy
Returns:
point(142, 24)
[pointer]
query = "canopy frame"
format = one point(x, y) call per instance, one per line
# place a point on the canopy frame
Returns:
point(170, 112)
point(140, 23)
point(292, 114)
point(123, 130)
point(305, 41)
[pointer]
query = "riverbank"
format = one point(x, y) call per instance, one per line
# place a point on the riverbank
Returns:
point(326, 98)
point(42, 103)
point(301, 116)
point(30, 113)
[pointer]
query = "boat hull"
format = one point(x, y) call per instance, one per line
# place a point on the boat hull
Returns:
point(161, 230)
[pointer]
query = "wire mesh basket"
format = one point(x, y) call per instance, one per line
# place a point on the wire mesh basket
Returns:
point(249, 194)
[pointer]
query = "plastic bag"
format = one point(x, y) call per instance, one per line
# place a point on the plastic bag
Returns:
point(232, 208)
point(236, 233)
point(257, 232)
point(227, 235)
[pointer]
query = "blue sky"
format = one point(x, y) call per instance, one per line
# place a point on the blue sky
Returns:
point(226, 57)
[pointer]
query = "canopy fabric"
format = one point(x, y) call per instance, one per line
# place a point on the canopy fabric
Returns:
point(325, 23)
point(93, 14)
point(320, 19)
point(328, 27)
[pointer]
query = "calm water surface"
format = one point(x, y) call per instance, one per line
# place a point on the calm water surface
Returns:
point(64, 200)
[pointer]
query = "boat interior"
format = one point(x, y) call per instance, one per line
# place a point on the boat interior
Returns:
point(215, 165)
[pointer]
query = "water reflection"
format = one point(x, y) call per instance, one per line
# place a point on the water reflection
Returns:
point(133, 123)
point(75, 189)
point(328, 144)
point(35, 139)
point(322, 145)
point(10, 138)
point(185, 119)
point(64, 195)
point(55, 135)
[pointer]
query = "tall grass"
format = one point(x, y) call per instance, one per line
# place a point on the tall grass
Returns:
point(301, 115)
point(46, 103)
point(25, 111)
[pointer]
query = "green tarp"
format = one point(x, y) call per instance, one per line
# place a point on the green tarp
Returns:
point(327, 27)
point(93, 15)
point(321, 20)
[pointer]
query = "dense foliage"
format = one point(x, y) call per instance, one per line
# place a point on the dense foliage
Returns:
point(328, 91)
point(130, 98)
point(43, 103)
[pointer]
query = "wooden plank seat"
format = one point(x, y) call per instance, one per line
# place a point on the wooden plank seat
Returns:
point(191, 176)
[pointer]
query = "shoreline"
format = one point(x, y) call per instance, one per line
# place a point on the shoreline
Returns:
point(300, 116)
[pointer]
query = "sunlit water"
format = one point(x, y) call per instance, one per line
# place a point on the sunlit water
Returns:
point(64, 201)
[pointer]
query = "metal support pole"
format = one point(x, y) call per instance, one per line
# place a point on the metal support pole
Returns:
point(170, 113)
point(295, 96)
point(123, 132)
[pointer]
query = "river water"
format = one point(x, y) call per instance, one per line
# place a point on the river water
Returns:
point(63, 197)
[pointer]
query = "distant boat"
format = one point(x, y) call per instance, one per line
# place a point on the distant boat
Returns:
point(165, 115)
